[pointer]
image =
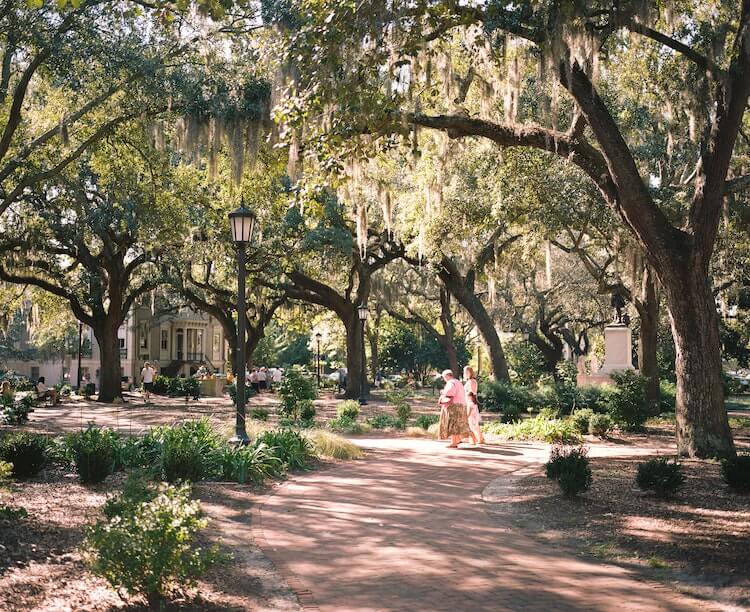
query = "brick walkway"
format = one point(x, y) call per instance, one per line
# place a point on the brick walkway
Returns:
point(407, 529)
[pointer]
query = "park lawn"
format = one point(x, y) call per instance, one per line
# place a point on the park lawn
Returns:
point(699, 541)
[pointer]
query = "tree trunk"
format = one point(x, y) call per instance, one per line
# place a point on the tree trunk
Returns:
point(450, 351)
point(354, 345)
point(110, 374)
point(648, 312)
point(474, 306)
point(702, 423)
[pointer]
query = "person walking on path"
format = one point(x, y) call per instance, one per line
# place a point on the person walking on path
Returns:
point(471, 389)
point(147, 377)
point(453, 420)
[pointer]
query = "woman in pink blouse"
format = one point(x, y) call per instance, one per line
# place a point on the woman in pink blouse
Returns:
point(453, 421)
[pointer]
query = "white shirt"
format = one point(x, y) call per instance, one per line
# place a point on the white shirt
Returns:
point(277, 375)
point(147, 374)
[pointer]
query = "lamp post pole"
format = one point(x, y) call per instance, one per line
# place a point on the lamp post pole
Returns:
point(80, 347)
point(362, 312)
point(240, 433)
point(317, 369)
point(242, 222)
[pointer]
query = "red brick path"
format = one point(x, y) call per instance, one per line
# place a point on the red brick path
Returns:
point(406, 529)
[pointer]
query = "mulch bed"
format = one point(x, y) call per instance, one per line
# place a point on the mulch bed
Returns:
point(41, 567)
point(698, 540)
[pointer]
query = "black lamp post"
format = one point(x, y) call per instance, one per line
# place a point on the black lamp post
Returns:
point(80, 346)
point(242, 222)
point(363, 313)
point(318, 336)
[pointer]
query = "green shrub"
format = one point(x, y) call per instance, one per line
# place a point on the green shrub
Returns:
point(732, 386)
point(525, 361)
point(348, 409)
point(346, 425)
point(253, 463)
point(9, 513)
point(537, 428)
point(260, 414)
point(667, 396)
point(600, 425)
point(232, 390)
point(425, 420)
point(660, 475)
point(136, 490)
point(294, 388)
point(187, 450)
point(305, 410)
point(736, 473)
point(289, 446)
point(385, 421)
point(504, 397)
point(581, 419)
point(6, 472)
point(149, 548)
point(94, 452)
point(626, 403)
point(16, 412)
point(26, 451)
point(591, 397)
point(570, 467)
point(177, 387)
point(400, 401)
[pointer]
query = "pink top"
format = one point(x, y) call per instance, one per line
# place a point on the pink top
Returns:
point(453, 393)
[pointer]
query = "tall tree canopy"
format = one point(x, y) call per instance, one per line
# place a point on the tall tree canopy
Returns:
point(568, 80)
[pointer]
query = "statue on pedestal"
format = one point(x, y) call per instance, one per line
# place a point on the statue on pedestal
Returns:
point(618, 303)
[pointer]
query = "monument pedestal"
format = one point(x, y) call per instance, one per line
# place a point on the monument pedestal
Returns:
point(618, 356)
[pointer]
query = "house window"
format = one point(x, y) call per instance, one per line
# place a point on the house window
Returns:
point(164, 340)
point(144, 337)
point(217, 345)
point(122, 342)
point(34, 373)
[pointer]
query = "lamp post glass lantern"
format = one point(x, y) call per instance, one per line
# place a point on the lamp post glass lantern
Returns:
point(242, 223)
point(318, 336)
point(363, 313)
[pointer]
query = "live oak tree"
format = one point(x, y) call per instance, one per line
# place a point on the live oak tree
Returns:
point(326, 267)
point(94, 237)
point(417, 299)
point(71, 73)
point(684, 73)
point(204, 271)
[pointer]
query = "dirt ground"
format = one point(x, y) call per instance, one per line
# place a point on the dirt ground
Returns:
point(698, 542)
point(41, 566)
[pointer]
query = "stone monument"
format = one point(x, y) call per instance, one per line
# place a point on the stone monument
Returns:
point(618, 353)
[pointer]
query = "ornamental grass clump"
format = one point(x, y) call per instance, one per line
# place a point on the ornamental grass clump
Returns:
point(736, 473)
point(570, 467)
point(148, 548)
point(581, 419)
point(348, 409)
point(661, 476)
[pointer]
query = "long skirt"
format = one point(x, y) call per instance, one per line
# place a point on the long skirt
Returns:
point(453, 421)
point(475, 422)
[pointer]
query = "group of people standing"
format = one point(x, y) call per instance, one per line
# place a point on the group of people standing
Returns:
point(261, 379)
point(459, 411)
